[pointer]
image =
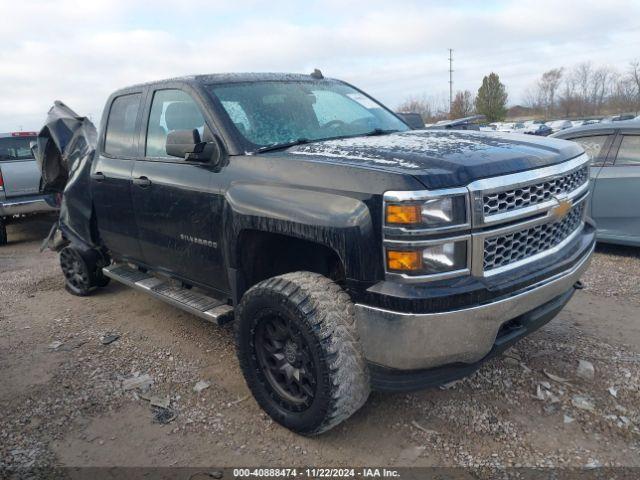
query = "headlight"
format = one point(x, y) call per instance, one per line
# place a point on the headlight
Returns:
point(445, 257)
point(427, 234)
point(439, 211)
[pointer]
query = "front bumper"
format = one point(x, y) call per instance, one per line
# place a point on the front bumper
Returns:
point(414, 341)
point(26, 205)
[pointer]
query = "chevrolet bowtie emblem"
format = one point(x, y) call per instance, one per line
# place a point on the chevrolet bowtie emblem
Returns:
point(563, 207)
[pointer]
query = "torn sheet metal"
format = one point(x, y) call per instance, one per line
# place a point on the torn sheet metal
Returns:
point(66, 146)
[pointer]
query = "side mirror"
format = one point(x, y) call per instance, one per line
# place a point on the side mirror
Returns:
point(187, 144)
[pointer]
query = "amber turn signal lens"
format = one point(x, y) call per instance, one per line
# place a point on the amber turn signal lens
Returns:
point(403, 214)
point(404, 260)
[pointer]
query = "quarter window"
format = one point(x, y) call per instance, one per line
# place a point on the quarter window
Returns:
point(629, 152)
point(120, 139)
point(592, 145)
point(170, 110)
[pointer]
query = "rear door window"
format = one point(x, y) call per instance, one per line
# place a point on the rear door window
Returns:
point(592, 145)
point(121, 136)
point(629, 151)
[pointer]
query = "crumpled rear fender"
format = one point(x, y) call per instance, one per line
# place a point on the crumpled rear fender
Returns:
point(65, 149)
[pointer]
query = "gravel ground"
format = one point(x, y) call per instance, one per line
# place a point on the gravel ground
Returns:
point(63, 400)
point(615, 272)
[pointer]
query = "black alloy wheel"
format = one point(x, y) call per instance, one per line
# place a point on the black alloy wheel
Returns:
point(286, 360)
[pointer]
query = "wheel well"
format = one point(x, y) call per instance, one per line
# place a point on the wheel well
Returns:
point(263, 255)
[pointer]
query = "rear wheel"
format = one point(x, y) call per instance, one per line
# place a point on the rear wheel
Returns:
point(82, 271)
point(299, 351)
point(3, 232)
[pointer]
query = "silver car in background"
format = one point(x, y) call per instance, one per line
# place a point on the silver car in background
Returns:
point(20, 193)
point(615, 202)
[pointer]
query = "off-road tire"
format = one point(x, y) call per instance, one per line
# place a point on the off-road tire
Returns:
point(82, 271)
point(3, 233)
point(323, 315)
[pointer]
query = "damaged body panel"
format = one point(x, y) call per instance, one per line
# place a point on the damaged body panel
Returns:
point(271, 197)
point(65, 150)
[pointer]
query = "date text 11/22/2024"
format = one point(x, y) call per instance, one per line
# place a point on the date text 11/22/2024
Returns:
point(364, 472)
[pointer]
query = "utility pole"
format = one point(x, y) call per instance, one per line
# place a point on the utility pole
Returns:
point(450, 80)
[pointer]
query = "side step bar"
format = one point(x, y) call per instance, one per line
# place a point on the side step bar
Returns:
point(196, 303)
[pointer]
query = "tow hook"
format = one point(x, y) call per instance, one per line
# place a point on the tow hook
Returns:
point(578, 285)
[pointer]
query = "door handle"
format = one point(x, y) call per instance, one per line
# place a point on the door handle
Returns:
point(98, 176)
point(142, 181)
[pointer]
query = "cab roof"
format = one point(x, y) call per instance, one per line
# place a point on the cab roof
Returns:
point(212, 78)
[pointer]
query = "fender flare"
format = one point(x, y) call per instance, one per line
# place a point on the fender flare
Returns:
point(341, 222)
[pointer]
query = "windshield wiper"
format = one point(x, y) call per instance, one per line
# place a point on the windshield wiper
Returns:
point(378, 131)
point(302, 141)
point(278, 146)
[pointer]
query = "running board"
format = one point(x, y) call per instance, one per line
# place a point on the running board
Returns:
point(209, 308)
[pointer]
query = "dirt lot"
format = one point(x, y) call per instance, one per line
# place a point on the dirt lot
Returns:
point(63, 402)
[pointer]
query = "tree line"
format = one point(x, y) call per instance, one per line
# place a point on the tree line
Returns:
point(491, 101)
point(581, 91)
point(585, 90)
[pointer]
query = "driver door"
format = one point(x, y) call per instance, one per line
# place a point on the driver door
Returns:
point(178, 212)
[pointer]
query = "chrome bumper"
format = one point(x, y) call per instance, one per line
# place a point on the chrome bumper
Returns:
point(408, 341)
point(24, 205)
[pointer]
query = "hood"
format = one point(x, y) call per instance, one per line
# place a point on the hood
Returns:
point(443, 159)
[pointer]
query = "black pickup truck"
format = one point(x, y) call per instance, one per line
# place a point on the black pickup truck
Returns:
point(351, 252)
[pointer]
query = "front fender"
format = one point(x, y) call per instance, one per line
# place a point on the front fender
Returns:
point(343, 223)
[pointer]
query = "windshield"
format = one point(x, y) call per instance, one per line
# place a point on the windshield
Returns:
point(15, 148)
point(280, 112)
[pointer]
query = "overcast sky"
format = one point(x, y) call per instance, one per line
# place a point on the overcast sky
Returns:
point(80, 51)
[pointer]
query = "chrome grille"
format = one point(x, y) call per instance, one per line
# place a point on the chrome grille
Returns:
point(533, 194)
point(508, 248)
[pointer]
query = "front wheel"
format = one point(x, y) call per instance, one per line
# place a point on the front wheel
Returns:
point(299, 351)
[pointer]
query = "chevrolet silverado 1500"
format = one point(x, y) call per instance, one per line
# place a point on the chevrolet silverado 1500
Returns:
point(351, 252)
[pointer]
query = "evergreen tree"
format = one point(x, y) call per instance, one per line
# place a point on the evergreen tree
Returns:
point(492, 98)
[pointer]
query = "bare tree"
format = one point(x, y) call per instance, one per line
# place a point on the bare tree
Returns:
point(430, 108)
point(462, 105)
point(548, 86)
point(532, 98)
point(634, 74)
point(624, 96)
point(602, 81)
point(416, 105)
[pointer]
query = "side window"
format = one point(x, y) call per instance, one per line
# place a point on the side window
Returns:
point(170, 110)
point(120, 139)
point(629, 152)
point(592, 145)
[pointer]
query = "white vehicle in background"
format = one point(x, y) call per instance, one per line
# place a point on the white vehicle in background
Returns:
point(558, 125)
point(577, 123)
point(532, 126)
point(505, 127)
